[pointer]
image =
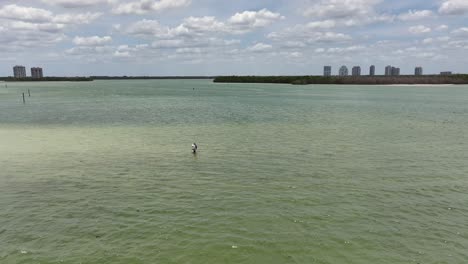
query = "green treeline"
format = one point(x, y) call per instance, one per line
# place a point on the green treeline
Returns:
point(365, 80)
point(47, 79)
point(148, 77)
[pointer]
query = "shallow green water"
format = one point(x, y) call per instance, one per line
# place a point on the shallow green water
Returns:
point(102, 172)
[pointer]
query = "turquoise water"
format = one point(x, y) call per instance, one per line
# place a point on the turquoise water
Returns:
point(102, 172)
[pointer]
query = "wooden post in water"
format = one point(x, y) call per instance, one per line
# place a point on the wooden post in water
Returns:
point(24, 100)
point(29, 92)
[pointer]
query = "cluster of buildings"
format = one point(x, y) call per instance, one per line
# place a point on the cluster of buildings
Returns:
point(392, 71)
point(20, 72)
point(389, 71)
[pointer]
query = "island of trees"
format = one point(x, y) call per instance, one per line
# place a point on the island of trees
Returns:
point(360, 80)
point(149, 77)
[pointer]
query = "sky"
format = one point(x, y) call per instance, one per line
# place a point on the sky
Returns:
point(226, 37)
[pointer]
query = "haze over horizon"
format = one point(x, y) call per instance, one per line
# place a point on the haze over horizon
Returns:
point(208, 37)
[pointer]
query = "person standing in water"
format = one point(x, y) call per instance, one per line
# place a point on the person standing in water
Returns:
point(194, 148)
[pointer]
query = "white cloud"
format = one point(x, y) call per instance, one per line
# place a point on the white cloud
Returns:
point(339, 9)
point(75, 3)
point(428, 41)
point(17, 35)
point(260, 47)
point(189, 51)
point(145, 6)
point(239, 23)
point(415, 15)
point(442, 28)
point(454, 7)
point(351, 49)
point(254, 19)
point(26, 26)
point(201, 24)
point(89, 50)
point(294, 44)
point(306, 34)
point(367, 20)
point(192, 42)
point(325, 24)
point(85, 18)
point(122, 54)
point(329, 37)
point(30, 14)
point(419, 29)
point(147, 27)
point(461, 32)
point(336, 13)
point(37, 15)
point(92, 41)
point(443, 39)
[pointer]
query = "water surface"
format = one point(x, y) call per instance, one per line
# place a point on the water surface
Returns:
point(102, 172)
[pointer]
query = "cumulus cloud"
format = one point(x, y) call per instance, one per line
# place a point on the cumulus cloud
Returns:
point(339, 9)
point(441, 28)
point(90, 50)
point(38, 15)
point(92, 41)
point(29, 26)
point(75, 3)
point(26, 26)
point(461, 32)
point(203, 24)
point(254, 19)
point(122, 54)
point(146, 27)
point(260, 47)
point(17, 35)
point(192, 42)
point(428, 41)
point(145, 6)
point(293, 44)
point(346, 13)
point(325, 24)
point(415, 15)
point(204, 33)
point(308, 34)
point(85, 18)
point(454, 7)
point(350, 49)
point(30, 14)
point(189, 50)
point(239, 23)
point(421, 29)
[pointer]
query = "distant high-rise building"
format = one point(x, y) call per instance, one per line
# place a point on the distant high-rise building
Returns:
point(388, 70)
point(343, 71)
point(356, 71)
point(418, 71)
point(327, 70)
point(372, 70)
point(19, 71)
point(36, 73)
point(392, 71)
point(446, 73)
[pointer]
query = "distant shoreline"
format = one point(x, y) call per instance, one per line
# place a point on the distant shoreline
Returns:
point(152, 77)
point(402, 80)
point(92, 78)
point(349, 80)
point(47, 79)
